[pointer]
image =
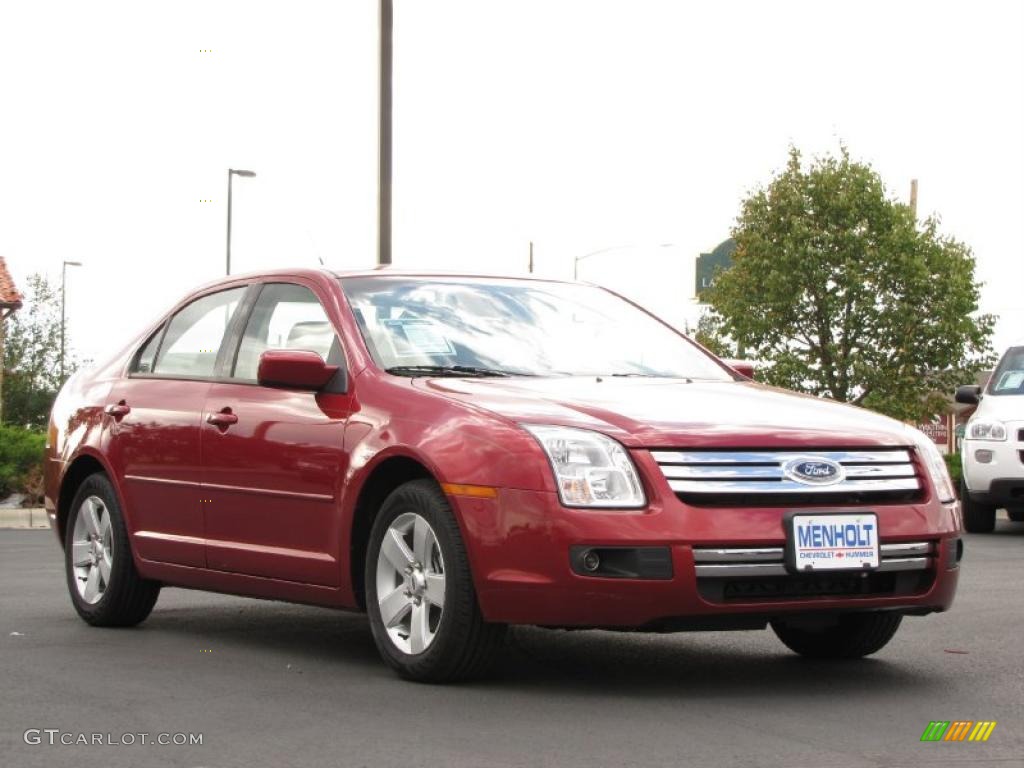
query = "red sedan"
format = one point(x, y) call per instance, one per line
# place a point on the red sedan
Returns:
point(455, 454)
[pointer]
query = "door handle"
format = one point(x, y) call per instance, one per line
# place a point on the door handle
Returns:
point(118, 411)
point(223, 419)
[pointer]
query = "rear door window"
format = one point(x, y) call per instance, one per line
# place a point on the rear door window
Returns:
point(194, 335)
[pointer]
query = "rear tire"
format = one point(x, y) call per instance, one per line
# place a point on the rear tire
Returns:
point(105, 588)
point(428, 627)
point(1016, 515)
point(853, 636)
point(978, 518)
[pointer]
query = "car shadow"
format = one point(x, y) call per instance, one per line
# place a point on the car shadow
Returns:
point(535, 660)
point(705, 665)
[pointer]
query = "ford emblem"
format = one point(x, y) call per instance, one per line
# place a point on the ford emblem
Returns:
point(811, 470)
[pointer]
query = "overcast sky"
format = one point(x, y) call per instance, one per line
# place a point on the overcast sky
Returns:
point(578, 124)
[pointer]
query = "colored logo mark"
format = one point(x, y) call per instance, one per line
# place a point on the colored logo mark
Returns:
point(958, 730)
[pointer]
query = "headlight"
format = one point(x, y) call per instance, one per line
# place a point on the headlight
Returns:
point(591, 470)
point(986, 430)
point(935, 464)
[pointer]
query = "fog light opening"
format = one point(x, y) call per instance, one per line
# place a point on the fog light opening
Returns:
point(983, 456)
point(591, 560)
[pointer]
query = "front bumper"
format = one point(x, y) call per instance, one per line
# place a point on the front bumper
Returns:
point(1005, 464)
point(520, 546)
point(1003, 492)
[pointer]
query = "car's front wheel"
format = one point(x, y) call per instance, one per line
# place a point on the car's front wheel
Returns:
point(851, 636)
point(978, 518)
point(105, 588)
point(419, 590)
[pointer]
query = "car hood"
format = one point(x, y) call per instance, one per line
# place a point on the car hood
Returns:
point(1001, 408)
point(673, 412)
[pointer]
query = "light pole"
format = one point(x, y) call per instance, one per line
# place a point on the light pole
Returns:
point(231, 173)
point(384, 101)
point(63, 280)
point(576, 261)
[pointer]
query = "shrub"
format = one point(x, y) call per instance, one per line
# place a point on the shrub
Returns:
point(21, 460)
point(956, 471)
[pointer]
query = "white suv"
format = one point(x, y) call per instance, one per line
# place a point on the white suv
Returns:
point(993, 446)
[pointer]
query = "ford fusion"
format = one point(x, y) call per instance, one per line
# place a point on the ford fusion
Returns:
point(455, 454)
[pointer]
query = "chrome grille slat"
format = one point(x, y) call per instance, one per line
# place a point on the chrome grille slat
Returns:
point(778, 569)
point(777, 457)
point(717, 473)
point(717, 562)
point(791, 486)
point(740, 555)
point(756, 471)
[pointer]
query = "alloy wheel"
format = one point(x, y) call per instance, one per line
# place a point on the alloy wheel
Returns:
point(410, 583)
point(92, 555)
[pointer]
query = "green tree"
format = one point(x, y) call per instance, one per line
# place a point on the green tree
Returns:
point(32, 356)
point(845, 295)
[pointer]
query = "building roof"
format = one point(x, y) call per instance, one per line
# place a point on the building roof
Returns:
point(9, 296)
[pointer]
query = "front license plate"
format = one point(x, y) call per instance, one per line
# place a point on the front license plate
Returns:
point(829, 542)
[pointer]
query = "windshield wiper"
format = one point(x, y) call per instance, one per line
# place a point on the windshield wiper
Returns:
point(447, 370)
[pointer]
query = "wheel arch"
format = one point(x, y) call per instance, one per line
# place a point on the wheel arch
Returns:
point(383, 478)
point(81, 467)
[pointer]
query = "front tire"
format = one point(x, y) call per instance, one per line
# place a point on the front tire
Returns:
point(978, 518)
point(105, 588)
point(853, 636)
point(423, 608)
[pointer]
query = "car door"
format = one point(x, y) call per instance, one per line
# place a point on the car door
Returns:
point(155, 435)
point(273, 458)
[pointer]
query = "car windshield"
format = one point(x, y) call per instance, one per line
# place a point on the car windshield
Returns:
point(1008, 378)
point(478, 327)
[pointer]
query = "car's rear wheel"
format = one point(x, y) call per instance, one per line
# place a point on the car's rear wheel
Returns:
point(1016, 514)
point(851, 636)
point(423, 608)
point(978, 518)
point(105, 588)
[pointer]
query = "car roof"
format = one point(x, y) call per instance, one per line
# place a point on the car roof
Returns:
point(390, 271)
point(384, 271)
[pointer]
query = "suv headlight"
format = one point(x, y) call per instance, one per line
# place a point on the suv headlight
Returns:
point(591, 469)
point(935, 464)
point(986, 430)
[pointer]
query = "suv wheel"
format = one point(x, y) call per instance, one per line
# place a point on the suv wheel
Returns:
point(105, 588)
point(1016, 514)
point(419, 591)
point(852, 636)
point(978, 518)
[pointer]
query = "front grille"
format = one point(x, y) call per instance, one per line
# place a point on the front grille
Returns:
point(822, 586)
point(752, 478)
point(752, 574)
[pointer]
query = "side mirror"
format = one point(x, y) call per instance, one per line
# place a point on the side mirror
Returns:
point(742, 367)
point(968, 394)
point(294, 369)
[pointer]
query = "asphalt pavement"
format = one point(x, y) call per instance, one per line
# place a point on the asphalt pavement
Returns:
point(271, 684)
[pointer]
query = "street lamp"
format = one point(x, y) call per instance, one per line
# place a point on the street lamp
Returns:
point(232, 172)
point(63, 280)
point(576, 261)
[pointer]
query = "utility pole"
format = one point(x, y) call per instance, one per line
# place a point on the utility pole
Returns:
point(530, 268)
point(913, 198)
point(384, 135)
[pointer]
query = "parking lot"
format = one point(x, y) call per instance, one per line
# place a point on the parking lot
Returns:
point(278, 685)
